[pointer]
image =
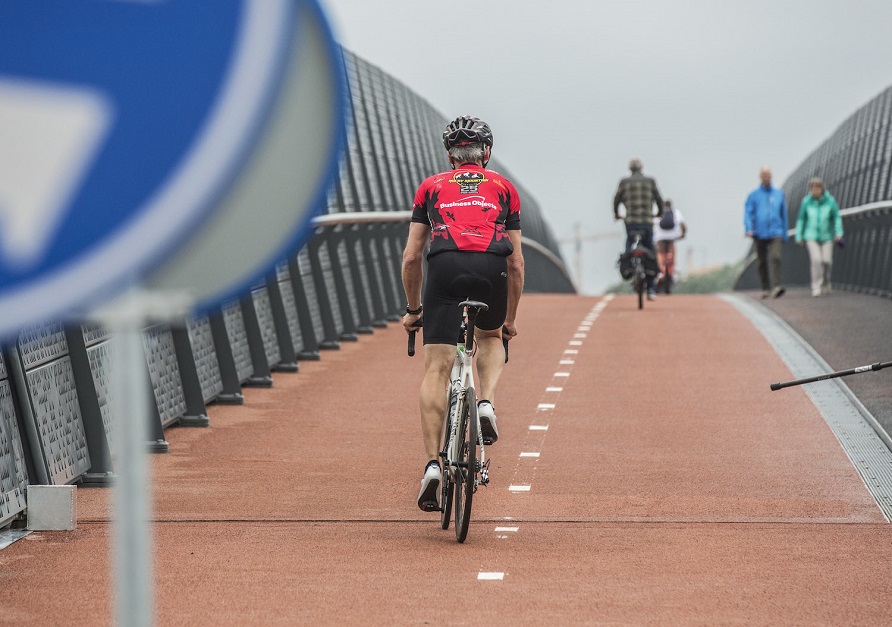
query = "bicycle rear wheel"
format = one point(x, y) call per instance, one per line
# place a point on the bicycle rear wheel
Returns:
point(639, 287)
point(446, 485)
point(466, 470)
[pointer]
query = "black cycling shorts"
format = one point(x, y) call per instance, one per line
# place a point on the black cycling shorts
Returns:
point(454, 276)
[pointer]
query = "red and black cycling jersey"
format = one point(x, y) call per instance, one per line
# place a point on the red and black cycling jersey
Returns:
point(468, 209)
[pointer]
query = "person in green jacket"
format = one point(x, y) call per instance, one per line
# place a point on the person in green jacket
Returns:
point(819, 226)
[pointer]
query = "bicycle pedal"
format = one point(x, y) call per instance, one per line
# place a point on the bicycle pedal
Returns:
point(484, 474)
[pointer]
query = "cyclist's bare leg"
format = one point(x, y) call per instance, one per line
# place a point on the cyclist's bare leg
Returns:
point(661, 256)
point(438, 360)
point(490, 362)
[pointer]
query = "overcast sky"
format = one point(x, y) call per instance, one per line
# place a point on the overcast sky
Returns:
point(705, 92)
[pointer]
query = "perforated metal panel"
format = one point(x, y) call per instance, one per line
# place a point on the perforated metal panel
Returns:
point(99, 357)
point(13, 478)
point(391, 266)
point(288, 300)
point(267, 323)
point(3, 373)
point(94, 333)
point(58, 420)
point(379, 275)
point(205, 356)
point(40, 345)
point(330, 288)
point(344, 260)
point(238, 340)
point(282, 271)
point(306, 275)
point(365, 284)
point(161, 357)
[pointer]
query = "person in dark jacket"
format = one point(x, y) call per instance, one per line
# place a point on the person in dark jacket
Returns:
point(638, 194)
point(765, 220)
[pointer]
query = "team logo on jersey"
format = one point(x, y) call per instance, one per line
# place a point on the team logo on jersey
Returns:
point(469, 182)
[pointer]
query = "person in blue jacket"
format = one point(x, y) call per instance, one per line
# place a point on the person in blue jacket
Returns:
point(765, 220)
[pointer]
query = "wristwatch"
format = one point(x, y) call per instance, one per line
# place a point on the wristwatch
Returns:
point(414, 312)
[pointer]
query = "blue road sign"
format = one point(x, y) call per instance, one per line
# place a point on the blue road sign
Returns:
point(121, 124)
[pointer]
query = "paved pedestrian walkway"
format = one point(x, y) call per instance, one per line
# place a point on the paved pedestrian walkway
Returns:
point(645, 474)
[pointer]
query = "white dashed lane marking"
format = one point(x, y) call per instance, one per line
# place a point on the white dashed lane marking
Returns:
point(523, 469)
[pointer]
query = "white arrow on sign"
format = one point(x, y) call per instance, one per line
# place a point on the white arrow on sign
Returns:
point(49, 135)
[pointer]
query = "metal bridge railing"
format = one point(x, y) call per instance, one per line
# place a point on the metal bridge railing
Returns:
point(55, 401)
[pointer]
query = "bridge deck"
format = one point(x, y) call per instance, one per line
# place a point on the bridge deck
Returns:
point(671, 487)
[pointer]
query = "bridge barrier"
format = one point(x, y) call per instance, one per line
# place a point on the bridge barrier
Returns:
point(56, 423)
point(863, 265)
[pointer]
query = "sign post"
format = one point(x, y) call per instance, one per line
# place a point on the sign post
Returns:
point(151, 144)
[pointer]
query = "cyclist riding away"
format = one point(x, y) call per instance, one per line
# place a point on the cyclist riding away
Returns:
point(638, 193)
point(667, 230)
point(470, 218)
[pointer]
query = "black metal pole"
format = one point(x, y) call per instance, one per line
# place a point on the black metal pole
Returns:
point(832, 375)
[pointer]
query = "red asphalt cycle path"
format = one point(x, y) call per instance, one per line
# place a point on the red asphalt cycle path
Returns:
point(671, 487)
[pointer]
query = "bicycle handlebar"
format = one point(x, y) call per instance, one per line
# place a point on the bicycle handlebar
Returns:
point(418, 324)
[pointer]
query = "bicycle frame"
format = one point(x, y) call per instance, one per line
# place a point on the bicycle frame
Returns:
point(460, 380)
point(639, 278)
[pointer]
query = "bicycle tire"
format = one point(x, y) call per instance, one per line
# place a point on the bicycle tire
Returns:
point(466, 471)
point(639, 287)
point(446, 487)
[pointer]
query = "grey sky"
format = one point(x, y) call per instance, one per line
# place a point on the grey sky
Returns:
point(705, 92)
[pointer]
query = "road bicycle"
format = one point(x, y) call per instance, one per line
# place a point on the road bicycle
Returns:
point(462, 454)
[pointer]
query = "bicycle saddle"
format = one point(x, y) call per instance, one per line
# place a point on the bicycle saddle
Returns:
point(474, 304)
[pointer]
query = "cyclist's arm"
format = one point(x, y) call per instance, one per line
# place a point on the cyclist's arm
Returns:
point(684, 230)
point(413, 273)
point(617, 201)
point(515, 282)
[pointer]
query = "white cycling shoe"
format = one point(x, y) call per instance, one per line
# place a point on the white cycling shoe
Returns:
point(430, 488)
point(488, 422)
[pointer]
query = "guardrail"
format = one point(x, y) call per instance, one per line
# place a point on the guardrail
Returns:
point(863, 265)
point(56, 424)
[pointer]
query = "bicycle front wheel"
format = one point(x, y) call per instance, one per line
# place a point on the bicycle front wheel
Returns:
point(466, 468)
point(639, 287)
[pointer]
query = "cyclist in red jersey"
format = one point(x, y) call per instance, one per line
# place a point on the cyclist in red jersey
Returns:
point(470, 218)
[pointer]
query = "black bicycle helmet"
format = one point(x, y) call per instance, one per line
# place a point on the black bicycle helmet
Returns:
point(467, 130)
